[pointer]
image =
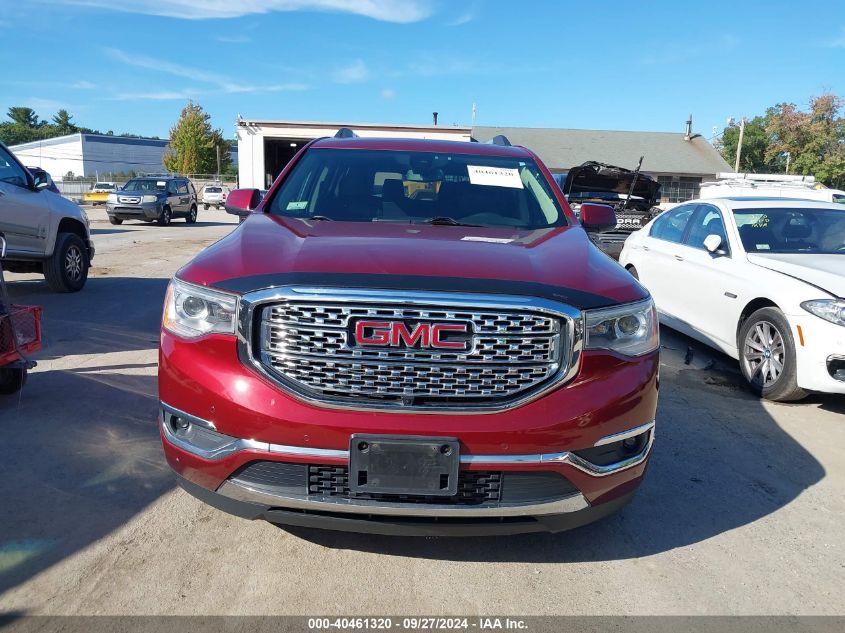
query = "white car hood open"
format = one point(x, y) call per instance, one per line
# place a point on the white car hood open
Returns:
point(824, 271)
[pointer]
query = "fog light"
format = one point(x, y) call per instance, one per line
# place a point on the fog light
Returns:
point(179, 424)
point(630, 444)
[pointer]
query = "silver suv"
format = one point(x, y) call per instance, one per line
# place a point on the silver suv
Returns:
point(153, 199)
point(44, 232)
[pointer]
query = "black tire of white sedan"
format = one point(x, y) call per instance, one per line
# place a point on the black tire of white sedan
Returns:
point(67, 269)
point(165, 216)
point(191, 218)
point(767, 356)
point(12, 380)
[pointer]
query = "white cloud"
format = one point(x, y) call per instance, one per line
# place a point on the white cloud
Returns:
point(234, 39)
point(221, 82)
point(388, 93)
point(175, 95)
point(402, 11)
point(45, 106)
point(355, 72)
point(838, 42)
point(83, 84)
point(468, 15)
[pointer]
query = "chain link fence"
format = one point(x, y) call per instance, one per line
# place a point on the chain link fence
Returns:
point(74, 189)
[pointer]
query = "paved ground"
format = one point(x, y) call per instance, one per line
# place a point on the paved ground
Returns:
point(740, 513)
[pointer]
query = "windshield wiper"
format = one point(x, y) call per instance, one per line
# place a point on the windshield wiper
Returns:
point(447, 221)
point(321, 218)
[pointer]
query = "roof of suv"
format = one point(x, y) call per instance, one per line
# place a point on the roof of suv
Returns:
point(422, 145)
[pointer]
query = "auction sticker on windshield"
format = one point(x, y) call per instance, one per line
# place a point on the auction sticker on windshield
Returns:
point(494, 176)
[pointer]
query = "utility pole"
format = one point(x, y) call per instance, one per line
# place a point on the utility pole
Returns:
point(739, 144)
point(218, 161)
point(788, 157)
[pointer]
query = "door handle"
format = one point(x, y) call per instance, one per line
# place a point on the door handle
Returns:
point(679, 258)
point(645, 248)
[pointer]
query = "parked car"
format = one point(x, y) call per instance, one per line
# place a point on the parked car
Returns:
point(154, 199)
point(99, 193)
point(44, 232)
point(42, 176)
point(761, 279)
point(214, 196)
point(608, 184)
point(460, 362)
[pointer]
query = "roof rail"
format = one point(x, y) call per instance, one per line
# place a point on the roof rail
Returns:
point(345, 132)
point(500, 139)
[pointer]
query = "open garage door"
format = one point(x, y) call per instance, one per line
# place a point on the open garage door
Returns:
point(277, 154)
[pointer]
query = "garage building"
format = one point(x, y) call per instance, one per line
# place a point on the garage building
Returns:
point(680, 161)
point(265, 147)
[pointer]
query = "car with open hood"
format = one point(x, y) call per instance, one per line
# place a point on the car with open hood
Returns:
point(633, 195)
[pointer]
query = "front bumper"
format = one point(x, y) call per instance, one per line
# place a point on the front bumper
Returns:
point(147, 210)
point(536, 503)
point(819, 349)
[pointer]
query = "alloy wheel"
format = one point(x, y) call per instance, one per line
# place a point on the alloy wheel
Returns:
point(764, 353)
point(73, 263)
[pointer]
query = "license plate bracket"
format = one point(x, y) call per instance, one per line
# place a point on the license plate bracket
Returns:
point(403, 465)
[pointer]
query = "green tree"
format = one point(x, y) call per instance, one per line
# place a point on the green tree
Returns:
point(193, 144)
point(63, 123)
point(755, 147)
point(24, 116)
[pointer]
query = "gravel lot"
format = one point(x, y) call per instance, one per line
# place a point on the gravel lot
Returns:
point(740, 513)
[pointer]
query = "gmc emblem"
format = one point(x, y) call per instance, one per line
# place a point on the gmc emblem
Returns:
point(421, 335)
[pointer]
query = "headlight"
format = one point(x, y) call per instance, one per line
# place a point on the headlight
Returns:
point(191, 311)
point(149, 199)
point(112, 197)
point(629, 329)
point(832, 310)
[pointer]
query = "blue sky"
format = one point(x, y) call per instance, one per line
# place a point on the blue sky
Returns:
point(605, 65)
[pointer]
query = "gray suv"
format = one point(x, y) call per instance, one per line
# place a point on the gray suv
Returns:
point(44, 232)
point(153, 199)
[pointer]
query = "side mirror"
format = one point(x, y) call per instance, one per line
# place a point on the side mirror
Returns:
point(712, 243)
point(598, 217)
point(242, 201)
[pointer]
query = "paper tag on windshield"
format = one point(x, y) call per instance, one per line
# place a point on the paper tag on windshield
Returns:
point(494, 176)
point(297, 205)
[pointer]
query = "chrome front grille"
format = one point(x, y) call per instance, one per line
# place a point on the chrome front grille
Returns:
point(309, 346)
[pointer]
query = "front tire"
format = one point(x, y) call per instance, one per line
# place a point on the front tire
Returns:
point(191, 218)
point(115, 221)
point(67, 269)
point(165, 216)
point(205, 206)
point(634, 273)
point(12, 380)
point(767, 356)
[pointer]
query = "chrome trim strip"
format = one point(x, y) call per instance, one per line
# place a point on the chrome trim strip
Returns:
point(572, 328)
point(230, 445)
point(624, 435)
point(182, 414)
point(240, 492)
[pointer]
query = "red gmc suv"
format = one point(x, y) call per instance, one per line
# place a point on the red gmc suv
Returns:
point(410, 336)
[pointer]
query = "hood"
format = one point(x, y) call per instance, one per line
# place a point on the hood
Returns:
point(597, 178)
point(822, 271)
point(556, 263)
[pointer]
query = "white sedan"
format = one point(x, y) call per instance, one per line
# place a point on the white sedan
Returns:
point(762, 279)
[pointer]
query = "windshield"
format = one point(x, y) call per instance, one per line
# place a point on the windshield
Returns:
point(418, 187)
point(145, 185)
point(839, 198)
point(103, 185)
point(791, 230)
